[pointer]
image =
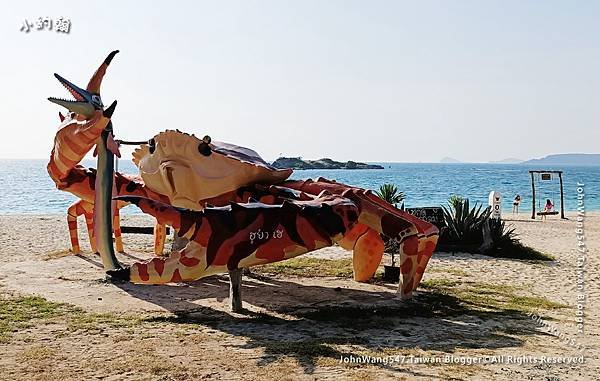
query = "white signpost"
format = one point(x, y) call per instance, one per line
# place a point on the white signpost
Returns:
point(495, 203)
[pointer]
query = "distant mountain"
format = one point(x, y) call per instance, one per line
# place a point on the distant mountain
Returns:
point(510, 160)
point(325, 163)
point(449, 160)
point(567, 159)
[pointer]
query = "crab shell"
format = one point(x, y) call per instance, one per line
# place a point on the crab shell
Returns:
point(190, 170)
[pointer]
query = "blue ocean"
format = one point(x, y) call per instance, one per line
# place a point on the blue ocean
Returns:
point(25, 187)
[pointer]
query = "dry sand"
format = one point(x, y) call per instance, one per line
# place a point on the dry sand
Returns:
point(189, 333)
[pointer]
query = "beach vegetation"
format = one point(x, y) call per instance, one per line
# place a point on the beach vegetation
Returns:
point(23, 312)
point(516, 250)
point(447, 270)
point(464, 225)
point(390, 193)
point(392, 247)
point(18, 312)
point(455, 200)
point(305, 335)
point(488, 296)
point(471, 229)
point(310, 267)
point(502, 235)
point(506, 244)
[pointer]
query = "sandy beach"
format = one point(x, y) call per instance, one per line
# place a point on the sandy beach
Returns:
point(298, 327)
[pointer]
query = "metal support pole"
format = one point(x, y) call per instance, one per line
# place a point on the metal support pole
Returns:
point(235, 290)
point(131, 143)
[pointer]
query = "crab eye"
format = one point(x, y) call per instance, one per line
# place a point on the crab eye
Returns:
point(152, 145)
point(96, 100)
point(204, 149)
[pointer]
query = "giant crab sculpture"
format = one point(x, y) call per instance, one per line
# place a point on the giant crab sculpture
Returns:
point(235, 209)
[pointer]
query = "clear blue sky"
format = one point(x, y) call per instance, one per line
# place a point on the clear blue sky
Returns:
point(362, 80)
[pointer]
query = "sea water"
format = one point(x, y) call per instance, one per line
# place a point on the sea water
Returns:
point(25, 187)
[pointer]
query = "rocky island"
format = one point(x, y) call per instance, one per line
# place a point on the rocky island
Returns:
point(325, 163)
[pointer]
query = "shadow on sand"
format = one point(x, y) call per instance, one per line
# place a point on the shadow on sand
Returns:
point(307, 322)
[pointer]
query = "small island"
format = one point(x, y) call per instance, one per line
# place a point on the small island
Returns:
point(566, 159)
point(325, 163)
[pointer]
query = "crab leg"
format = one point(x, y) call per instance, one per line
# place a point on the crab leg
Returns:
point(417, 237)
point(367, 250)
point(89, 221)
point(117, 231)
point(86, 209)
point(78, 208)
point(160, 235)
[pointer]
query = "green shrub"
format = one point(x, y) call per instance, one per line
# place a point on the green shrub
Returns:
point(455, 200)
point(463, 223)
point(507, 245)
point(392, 247)
point(390, 193)
point(501, 234)
point(464, 231)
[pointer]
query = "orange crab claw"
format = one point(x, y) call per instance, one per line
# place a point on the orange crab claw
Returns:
point(96, 80)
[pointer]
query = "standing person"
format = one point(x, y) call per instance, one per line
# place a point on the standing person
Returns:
point(516, 203)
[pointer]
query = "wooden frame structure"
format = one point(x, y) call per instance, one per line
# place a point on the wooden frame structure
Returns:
point(562, 202)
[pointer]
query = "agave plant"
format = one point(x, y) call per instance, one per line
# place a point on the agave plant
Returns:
point(502, 235)
point(467, 226)
point(507, 245)
point(390, 193)
point(463, 223)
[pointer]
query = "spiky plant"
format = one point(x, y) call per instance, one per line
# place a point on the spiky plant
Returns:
point(502, 235)
point(455, 200)
point(390, 193)
point(465, 227)
point(463, 223)
point(507, 245)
